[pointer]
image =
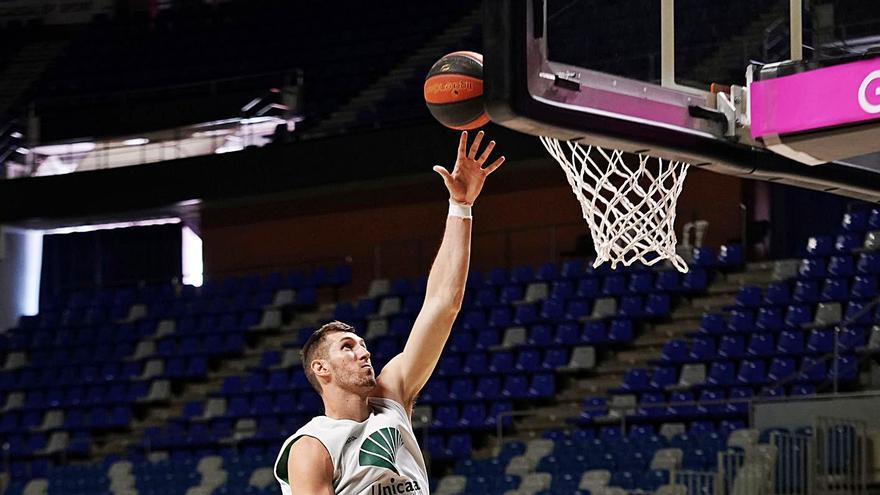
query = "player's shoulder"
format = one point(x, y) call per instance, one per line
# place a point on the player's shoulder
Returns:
point(308, 447)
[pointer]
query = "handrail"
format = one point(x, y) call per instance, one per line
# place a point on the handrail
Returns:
point(156, 90)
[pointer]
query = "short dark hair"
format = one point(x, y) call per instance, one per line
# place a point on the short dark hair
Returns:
point(316, 348)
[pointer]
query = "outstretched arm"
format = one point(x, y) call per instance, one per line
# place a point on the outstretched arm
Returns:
point(405, 375)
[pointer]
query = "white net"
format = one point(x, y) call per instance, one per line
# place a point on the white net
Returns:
point(630, 207)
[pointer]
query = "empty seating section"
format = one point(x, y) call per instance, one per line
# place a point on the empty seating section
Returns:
point(91, 361)
point(519, 333)
point(246, 48)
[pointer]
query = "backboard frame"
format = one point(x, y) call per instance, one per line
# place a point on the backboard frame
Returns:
point(673, 123)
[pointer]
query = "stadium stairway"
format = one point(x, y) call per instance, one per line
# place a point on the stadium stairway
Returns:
point(647, 346)
point(269, 335)
point(409, 72)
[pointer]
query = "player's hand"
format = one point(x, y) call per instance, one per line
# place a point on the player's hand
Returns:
point(466, 180)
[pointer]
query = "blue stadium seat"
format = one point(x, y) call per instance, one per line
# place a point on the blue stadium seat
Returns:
point(567, 334)
point(858, 312)
point(820, 341)
point(748, 296)
point(777, 294)
point(695, 280)
point(540, 335)
point(515, 387)
point(730, 256)
point(488, 388)
point(841, 266)
point(630, 306)
point(501, 362)
point(657, 305)
point(713, 323)
point(663, 376)
point(711, 403)
point(500, 317)
point(635, 380)
point(703, 349)
point(721, 373)
point(812, 370)
point(561, 290)
point(588, 287)
point(704, 257)
point(487, 338)
point(752, 372)
point(797, 315)
point(739, 400)
point(806, 291)
point(780, 369)
point(542, 385)
point(864, 287)
point(473, 416)
point(510, 294)
point(528, 360)
point(552, 310)
point(445, 417)
point(834, 289)
point(621, 331)
point(571, 269)
point(495, 409)
point(848, 241)
point(577, 309)
point(855, 221)
point(731, 346)
point(761, 345)
point(869, 263)
point(791, 343)
point(461, 389)
point(677, 409)
point(497, 277)
point(648, 405)
point(641, 282)
point(812, 268)
point(554, 358)
point(741, 321)
point(675, 351)
point(522, 275)
point(547, 272)
point(769, 318)
point(594, 333)
point(668, 281)
point(475, 363)
point(852, 337)
point(613, 285)
point(819, 246)
point(848, 368)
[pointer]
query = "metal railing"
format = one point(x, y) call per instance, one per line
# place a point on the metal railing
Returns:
point(839, 456)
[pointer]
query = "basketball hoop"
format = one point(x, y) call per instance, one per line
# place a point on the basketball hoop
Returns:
point(630, 207)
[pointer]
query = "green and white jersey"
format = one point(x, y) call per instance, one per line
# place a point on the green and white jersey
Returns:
point(378, 456)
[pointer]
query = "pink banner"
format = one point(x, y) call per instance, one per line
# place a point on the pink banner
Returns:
point(832, 96)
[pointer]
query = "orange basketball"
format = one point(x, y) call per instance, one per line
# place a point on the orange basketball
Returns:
point(454, 91)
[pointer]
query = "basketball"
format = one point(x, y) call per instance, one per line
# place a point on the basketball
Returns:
point(454, 91)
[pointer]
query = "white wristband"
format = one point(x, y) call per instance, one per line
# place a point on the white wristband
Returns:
point(459, 210)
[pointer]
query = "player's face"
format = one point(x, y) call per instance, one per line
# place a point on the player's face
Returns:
point(350, 362)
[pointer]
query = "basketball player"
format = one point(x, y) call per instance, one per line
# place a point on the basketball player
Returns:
point(364, 443)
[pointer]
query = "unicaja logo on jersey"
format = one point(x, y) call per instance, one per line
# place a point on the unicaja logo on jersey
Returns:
point(380, 449)
point(869, 93)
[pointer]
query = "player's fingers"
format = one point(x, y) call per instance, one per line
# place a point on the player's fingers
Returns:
point(491, 168)
point(476, 144)
point(462, 143)
point(485, 155)
point(443, 173)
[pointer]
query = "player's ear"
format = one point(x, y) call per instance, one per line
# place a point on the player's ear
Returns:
point(319, 367)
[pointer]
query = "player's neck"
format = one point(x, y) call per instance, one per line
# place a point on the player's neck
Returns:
point(343, 404)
